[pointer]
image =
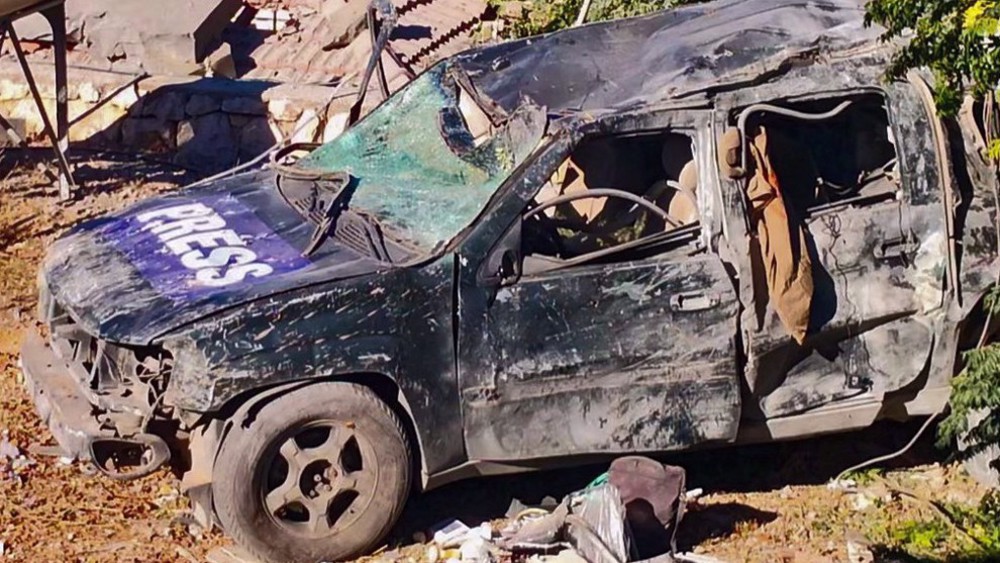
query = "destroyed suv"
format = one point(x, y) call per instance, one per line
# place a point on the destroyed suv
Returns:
point(707, 226)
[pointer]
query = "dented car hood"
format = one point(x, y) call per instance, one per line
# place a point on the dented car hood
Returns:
point(168, 261)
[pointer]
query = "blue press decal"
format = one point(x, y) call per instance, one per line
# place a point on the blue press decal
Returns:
point(194, 247)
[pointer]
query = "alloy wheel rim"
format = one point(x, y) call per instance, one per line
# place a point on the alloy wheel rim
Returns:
point(319, 479)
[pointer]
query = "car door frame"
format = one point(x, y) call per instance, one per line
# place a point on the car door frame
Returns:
point(915, 177)
point(479, 383)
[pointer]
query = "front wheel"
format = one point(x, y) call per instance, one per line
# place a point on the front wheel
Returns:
point(321, 474)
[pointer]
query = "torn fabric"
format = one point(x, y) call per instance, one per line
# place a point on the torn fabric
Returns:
point(783, 244)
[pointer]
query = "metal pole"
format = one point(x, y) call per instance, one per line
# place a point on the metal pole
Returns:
point(57, 19)
point(46, 123)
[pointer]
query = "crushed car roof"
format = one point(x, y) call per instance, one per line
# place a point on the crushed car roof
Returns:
point(669, 54)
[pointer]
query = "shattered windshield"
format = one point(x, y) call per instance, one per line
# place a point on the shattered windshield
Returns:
point(418, 169)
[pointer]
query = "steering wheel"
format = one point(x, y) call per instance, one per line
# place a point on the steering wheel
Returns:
point(546, 228)
point(589, 194)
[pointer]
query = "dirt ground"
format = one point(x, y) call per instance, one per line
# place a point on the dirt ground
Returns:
point(762, 503)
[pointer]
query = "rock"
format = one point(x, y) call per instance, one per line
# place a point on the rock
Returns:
point(88, 93)
point(861, 502)
point(335, 126)
point(126, 98)
point(255, 138)
point(200, 104)
point(165, 105)
point(284, 110)
point(206, 143)
point(859, 548)
point(11, 90)
point(244, 106)
point(345, 19)
point(8, 451)
point(220, 63)
point(239, 121)
point(149, 133)
point(26, 111)
point(100, 124)
point(306, 128)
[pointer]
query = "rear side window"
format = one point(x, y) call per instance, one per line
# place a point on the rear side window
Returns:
point(833, 152)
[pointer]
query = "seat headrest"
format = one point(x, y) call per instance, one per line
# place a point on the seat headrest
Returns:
point(688, 180)
point(730, 147)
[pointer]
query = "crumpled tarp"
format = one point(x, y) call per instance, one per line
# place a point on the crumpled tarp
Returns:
point(783, 243)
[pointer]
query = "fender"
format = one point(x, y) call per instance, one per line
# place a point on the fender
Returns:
point(397, 325)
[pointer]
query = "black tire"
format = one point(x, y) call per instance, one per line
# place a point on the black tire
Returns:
point(250, 461)
point(980, 466)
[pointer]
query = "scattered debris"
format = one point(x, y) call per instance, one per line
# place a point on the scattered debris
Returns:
point(859, 549)
point(630, 513)
point(8, 451)
point(474, 550)
point(842, 485)
point(446, 533)
point(13, 463)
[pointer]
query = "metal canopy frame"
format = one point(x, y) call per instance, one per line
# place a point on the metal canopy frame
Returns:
point(55, 12)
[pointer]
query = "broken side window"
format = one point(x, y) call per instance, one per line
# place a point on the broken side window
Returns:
point(829, 153)
point(611, 196)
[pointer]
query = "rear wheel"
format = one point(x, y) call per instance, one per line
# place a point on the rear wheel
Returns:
point(321, 474)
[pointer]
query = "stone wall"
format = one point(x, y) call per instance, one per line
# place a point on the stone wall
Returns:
point(204, 123)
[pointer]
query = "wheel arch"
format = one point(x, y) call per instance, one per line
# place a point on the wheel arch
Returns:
point(245, 406)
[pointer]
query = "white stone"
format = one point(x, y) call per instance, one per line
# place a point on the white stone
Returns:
point(335, 126)
point(88, 93)
point(126, 98)
point(306, 128)
point(11, 91)
point(284, 110)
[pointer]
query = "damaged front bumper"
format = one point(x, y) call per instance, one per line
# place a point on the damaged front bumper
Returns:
point(59, 399)
point(74, 415)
